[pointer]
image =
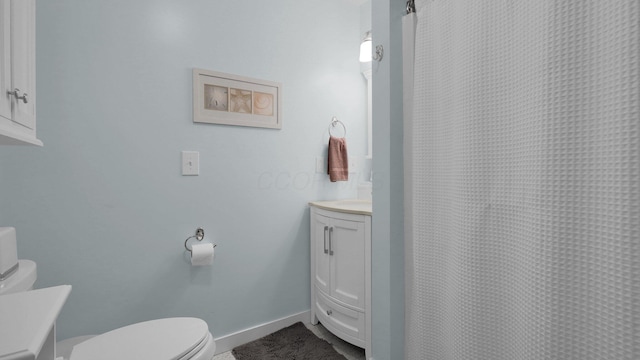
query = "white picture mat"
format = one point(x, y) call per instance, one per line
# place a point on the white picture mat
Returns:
point(204, 112)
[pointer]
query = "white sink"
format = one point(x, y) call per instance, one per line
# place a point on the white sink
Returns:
point(356, 206)
point(355, 203)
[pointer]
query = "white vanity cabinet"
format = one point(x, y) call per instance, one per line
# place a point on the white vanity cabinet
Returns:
point(341, 271)
point(18, 72)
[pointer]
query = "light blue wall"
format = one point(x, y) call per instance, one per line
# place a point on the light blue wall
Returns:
point(103, 207)
point(388, 218)
point(365, 17)
point(3, 209)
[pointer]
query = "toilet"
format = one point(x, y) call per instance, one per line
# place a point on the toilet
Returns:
point(170, 339)
point(163, 339)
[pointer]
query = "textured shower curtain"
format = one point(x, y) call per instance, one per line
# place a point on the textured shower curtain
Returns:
point(523, 181)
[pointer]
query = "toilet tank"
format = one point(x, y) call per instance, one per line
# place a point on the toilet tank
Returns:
point(21, 280)
point(15, 275)
point(8, 252)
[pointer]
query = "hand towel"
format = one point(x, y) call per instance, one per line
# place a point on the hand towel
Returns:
point(338, 163)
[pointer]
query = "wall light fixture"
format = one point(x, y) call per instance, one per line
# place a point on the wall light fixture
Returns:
point(366, 49)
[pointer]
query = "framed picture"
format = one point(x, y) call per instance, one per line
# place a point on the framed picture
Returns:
point(227, 99)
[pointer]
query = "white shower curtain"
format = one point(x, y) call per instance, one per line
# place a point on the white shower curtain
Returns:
point(523, 181)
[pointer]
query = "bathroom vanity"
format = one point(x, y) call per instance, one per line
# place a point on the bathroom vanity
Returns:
point(341, 269)
point(27, 323)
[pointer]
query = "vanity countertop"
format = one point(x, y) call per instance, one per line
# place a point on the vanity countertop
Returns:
point(26, 320)
point(351, 206)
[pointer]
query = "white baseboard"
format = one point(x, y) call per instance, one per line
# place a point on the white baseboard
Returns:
point(228, 342)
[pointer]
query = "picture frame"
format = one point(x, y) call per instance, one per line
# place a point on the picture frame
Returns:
point(227, 99)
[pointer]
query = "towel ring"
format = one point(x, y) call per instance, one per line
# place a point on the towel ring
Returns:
point(334, 122)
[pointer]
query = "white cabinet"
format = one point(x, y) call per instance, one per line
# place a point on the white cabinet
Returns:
point(18, 72)
point(341, 274)
point(339, 249)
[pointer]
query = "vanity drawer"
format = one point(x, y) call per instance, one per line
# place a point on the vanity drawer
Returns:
point(345, 323)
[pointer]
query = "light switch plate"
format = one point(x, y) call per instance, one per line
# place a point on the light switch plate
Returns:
point(190, 163)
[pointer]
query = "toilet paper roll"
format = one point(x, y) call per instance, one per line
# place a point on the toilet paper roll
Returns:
point(202, 254)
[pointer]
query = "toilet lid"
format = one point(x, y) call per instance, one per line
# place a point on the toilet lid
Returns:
point(163, 339)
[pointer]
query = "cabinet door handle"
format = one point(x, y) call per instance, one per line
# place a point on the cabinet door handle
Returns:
point(325, 239)
point(330, 241)
point(16, 93)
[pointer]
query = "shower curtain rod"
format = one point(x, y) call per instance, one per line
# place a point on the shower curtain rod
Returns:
point(411, 6)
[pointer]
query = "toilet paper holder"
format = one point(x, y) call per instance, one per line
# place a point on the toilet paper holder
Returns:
point(199, 236)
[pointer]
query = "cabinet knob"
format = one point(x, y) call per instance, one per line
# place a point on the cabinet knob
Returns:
point(16, 93)
point(329, 312)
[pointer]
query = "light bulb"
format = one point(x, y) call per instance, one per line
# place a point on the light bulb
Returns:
point(365, 51)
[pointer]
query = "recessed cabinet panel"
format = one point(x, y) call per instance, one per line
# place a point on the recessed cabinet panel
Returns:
point(5, 61)
point(322, 259)
point(347, 278)
point(23, 61)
